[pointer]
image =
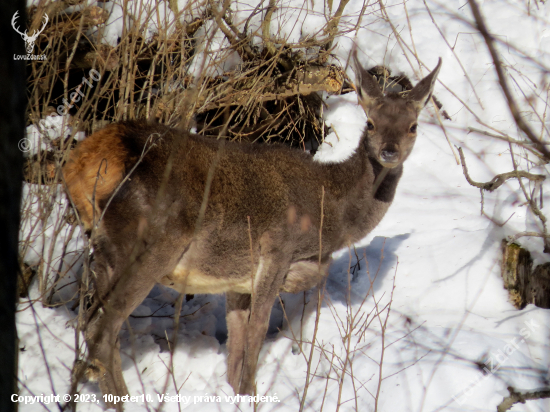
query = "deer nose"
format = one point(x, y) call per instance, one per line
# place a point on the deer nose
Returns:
point(389, 156)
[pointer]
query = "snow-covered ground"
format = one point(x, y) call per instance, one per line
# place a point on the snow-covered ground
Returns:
point(452, 340)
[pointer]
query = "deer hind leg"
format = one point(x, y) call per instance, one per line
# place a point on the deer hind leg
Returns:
point(238, 312)
point(122, 281)
point(248, 319)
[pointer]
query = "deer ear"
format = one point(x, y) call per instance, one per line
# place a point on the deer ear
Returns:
point(367, 87)
point(422, 92)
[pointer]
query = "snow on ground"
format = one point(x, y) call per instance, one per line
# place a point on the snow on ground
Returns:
point(449, 307)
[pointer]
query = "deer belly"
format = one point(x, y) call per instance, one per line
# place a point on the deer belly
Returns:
point(193, 281)
point(303, 275)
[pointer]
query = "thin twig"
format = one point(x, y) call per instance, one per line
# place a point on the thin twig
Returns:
point(320, 295)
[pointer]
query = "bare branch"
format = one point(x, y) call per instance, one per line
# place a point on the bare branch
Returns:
point(304, 81)
point(518, 397)
point(514, 110)
point(332, 26)
point(525, 144)
point(231, 33)
point(499, 179)
point(266, 24)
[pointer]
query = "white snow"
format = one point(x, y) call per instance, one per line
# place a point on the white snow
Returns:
point(111, 32)
point(449, 307)
point(151, 17)
point(39, 137)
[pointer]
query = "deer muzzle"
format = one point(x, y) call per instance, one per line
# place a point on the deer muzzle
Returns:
point(389, 156)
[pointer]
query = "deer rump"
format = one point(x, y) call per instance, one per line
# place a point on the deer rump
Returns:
point(202, 215)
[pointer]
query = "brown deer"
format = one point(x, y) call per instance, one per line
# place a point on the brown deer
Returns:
point(202, 215)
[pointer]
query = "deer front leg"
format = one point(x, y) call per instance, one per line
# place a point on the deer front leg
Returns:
point(248, 320)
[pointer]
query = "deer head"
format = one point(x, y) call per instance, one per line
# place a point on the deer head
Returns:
point(392, 117)
point(29, 40)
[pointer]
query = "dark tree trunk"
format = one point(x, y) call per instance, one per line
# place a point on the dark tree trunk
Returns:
point(525, 284)
point(12, 124)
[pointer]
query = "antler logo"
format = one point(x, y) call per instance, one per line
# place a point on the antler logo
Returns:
point(29, 40)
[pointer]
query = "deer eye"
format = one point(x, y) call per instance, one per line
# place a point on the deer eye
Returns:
point(370, 125)
point(413, 128)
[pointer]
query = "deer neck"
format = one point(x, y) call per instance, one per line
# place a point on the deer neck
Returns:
point(388, 185)
point(352, 183)
point(360, 172)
